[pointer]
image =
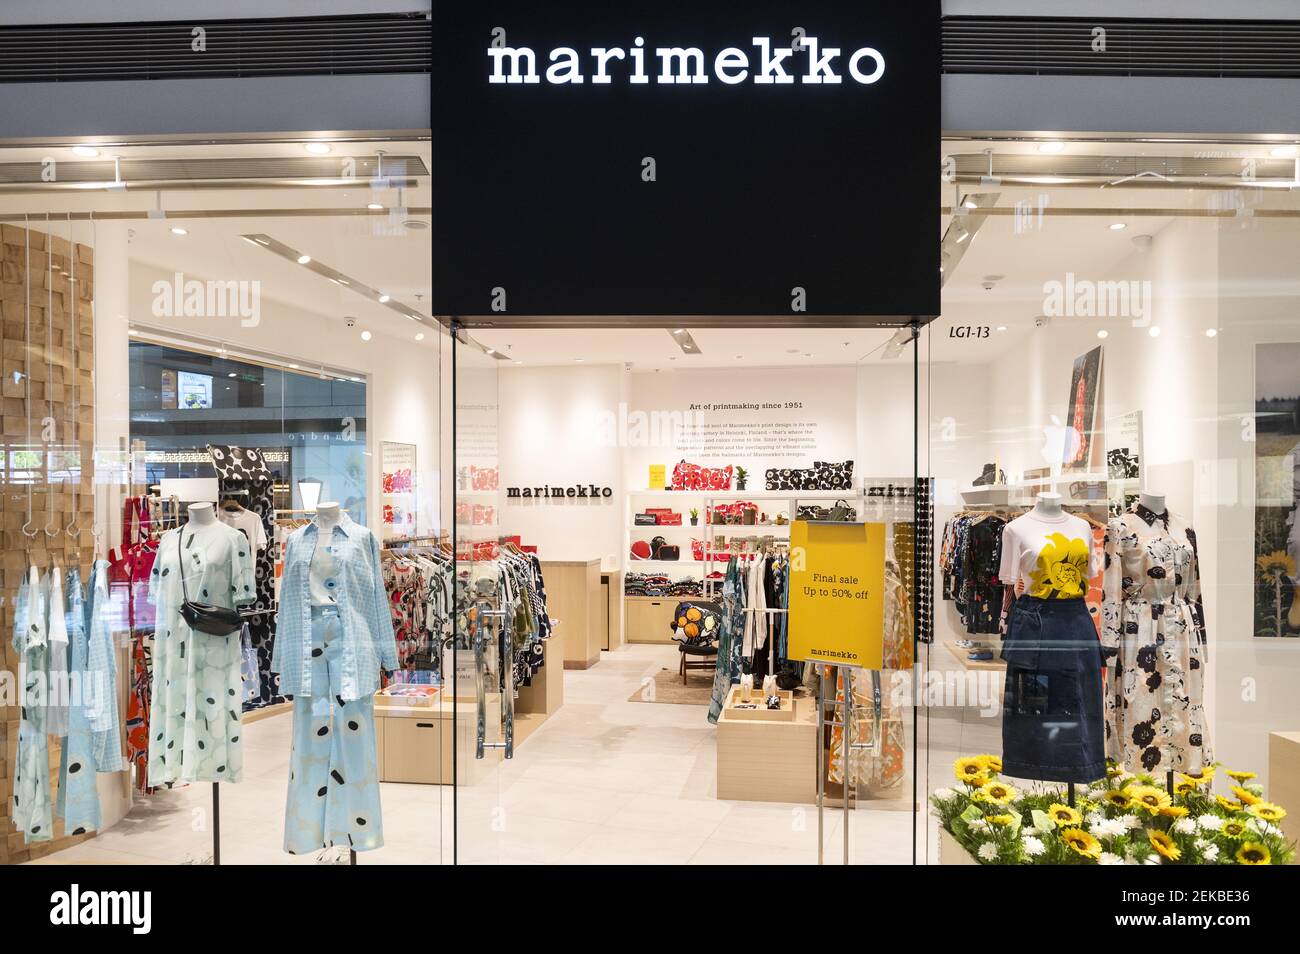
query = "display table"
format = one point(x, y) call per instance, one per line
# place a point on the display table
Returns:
point(768, 761)
point(649, 618)
point(1284, 778)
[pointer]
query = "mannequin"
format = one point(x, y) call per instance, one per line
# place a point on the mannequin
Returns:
point(328, 514)
point(1153, 502)
point(1048, 506)
point(202, 514)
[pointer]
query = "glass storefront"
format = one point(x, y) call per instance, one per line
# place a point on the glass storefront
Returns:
point(558, 615)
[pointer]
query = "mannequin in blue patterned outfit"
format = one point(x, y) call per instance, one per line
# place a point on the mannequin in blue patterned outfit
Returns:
point(334, 632)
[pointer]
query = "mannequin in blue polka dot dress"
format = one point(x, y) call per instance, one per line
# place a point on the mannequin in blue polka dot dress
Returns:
point(334, 632)
point(196, 712)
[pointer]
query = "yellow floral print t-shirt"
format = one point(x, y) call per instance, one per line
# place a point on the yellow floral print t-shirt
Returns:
point(1053, 557)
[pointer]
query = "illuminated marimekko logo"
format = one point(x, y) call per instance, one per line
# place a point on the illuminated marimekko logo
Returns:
point(765, 66)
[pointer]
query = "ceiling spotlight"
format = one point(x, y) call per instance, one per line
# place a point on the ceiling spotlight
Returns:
point(85, 152)
point(1103, 333)
point(355, 380)
point(970, 203)
point(1211, 332)
point(1002, 327)
point(384, 299)
point(294, 366)
point(177, 230)
point(365, 336)
point(132, 331)
point(304, 259)
point(317, 148)
point(419, 336)
point(1051, 147)
point(375, 207)
point(232, 374)
point(518, 362)
point(1117, 226)
point(1284, 152)
point(1154, 331)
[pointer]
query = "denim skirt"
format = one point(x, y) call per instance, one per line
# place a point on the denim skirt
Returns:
point(1053, 728)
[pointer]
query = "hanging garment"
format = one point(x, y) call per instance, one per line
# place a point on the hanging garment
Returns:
point(369, 642)
point(78, 799)
point(32, 811)
point(333, 767)
point(878, 768)
point(140, 691)
point(129, 574)
point(244, 468)
point(727, 666)
point(102, 712)
point(755, 620)
point(195, 709)
point(1053, 728)
point(56, 637)
point(1154, 624)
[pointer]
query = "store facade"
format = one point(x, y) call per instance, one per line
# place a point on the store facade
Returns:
point(575, 444)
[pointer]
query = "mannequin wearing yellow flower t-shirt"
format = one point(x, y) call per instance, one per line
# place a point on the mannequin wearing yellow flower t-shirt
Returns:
point(1052, 726)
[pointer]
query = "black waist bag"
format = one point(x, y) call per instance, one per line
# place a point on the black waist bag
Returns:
point(205, 617)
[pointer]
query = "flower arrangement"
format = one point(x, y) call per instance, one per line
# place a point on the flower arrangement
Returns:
point(1124, 820)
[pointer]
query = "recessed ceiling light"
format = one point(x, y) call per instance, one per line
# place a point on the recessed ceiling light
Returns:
point(419, 336)
point(261, 241)
point(1154, 331)
point(294, 366)
point(1283, 152)
point(374, 207)
point(85, 152)
point(342, 281)
point(491, 350)
point(384, 299)
point(177, 230)
point(579, 360)
point(232, 374)
point(1050, 147)
point(1211, 332)
point(317, 148)
point(970, 203)
point(518, 362)
point(365, 336)
point(304, 259)
point(354, 379)
point(1117, 226)
point(132, 331)
point(1002, 327)
point(1103, 333)
point(413, 317)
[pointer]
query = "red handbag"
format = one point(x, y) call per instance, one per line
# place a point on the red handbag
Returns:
point(130, 565)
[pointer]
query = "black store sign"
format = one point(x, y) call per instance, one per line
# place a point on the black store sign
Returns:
point(696, 158)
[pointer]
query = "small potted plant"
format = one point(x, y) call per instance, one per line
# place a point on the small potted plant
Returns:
point(695, 517)
point(742, 477)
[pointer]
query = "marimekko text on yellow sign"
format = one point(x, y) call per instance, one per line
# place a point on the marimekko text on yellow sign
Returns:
point(837, 593)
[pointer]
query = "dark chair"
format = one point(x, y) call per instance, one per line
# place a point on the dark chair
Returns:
point(697, 655)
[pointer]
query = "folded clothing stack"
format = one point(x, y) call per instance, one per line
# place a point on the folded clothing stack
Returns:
point(659, 584)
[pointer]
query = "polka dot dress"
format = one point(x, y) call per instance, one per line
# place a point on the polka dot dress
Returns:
point(197, 689)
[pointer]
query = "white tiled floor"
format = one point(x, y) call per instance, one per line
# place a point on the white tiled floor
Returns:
point(604, 781)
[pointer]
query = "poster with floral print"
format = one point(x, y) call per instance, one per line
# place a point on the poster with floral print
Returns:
point(1277, 490)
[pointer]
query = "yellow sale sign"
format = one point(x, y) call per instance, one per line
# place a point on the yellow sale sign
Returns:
point(837, 593)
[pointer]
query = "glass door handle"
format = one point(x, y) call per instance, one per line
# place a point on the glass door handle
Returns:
point(488, 616)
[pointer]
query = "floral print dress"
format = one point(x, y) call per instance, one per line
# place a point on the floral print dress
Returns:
point(1154, 624)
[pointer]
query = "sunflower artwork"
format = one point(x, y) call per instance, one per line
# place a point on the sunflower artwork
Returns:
point(1125, 820)
point(1062, 572)
point(1277, 490)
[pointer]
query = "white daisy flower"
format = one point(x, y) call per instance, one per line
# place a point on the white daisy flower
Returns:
point(1106, 858)
point(944, 794)
point(1185, 826)
point(988, 851)
point(1211, 852)
point(1210, 822)
point(1033, 846)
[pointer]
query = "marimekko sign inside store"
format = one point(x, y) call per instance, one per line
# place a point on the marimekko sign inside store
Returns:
point(604, 161)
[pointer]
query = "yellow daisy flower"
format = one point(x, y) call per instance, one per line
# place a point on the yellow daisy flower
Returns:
point(1275, 564)
point(1164, 845)
point(1227, 804)
point(1183, 787)
point(1241, 778)
point(1267, 811)
point(1253, 853)
point(972, 771)
point(1245, 796)
point(1082, 843)
point(1174, 811)
point(1001, 819)
point(1234, 830)
point(1119, 799)
point(1203, 777)
point(1150, 798)
point(998, 792)
point(1064, 815)
point(1114, 771)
